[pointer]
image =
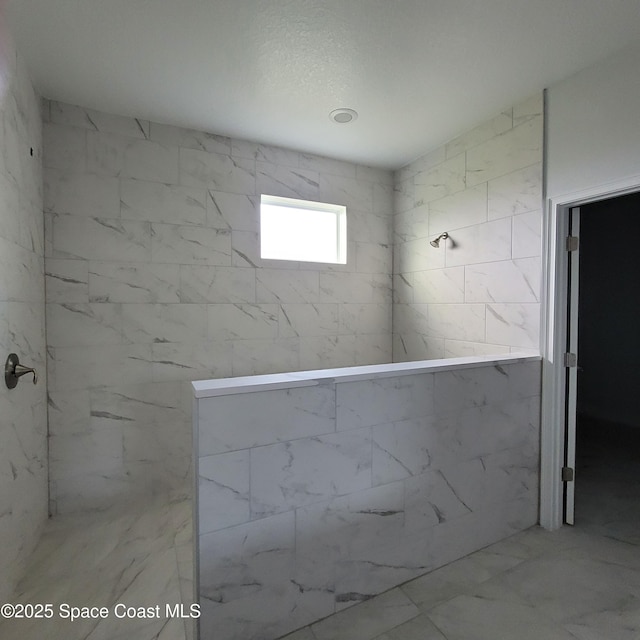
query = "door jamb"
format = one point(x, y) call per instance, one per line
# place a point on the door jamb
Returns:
point(553, 339)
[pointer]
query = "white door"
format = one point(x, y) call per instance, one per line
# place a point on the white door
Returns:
point(569, 477)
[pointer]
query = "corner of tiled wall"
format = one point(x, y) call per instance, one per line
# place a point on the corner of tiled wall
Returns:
point(23, 432)
point(479, 293)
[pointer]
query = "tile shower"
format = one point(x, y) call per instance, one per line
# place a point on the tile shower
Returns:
point(153, 279)
point(337, 485)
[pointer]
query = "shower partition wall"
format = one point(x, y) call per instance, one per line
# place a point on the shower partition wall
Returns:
point(317, 490)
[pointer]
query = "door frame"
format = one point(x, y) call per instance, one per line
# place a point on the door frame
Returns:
point(553, 339)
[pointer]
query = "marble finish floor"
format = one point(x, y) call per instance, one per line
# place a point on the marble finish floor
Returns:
point(138, 554)
point(580, 582)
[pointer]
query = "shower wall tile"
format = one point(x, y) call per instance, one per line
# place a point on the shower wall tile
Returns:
point(100, 239)
point(433, 467)
point(23, 434)
point(131, 281)
point(484, 188)
point(81, 194)
point(154, 277)
point(293, 474)
point(223, 491)
point(156, 202)
point(286, 182)
point(508, 281)
point(67, 280)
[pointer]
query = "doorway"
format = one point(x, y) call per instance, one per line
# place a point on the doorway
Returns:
point(603, 386)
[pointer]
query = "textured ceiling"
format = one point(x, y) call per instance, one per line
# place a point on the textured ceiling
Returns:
point(418, 72)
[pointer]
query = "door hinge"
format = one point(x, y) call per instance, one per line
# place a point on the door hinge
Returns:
point(570, 360)
point(572, 243)
point(567, 474)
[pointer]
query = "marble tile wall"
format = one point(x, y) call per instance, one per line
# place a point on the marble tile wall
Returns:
point(479, 293)
point(315, 498)
point(154, 278)
point(23, 421)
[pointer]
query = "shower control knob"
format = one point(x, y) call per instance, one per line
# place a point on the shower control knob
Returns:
point(13, 371)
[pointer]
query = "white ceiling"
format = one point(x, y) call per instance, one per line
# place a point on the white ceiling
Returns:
point(418, 72)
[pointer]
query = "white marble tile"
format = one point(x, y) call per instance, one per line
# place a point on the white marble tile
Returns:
point(73, 324)
point(411, 318)
point(528, 109)
point(369, 227)
point(228, 423)
point(440, 181)
point(517, 148)
point(369, 619)
point(419, 255)
point(527, 234)
point(255, 357)
point(217, 284)
point(463, 321)
point(403, 194)
point(96, 451)
point(115, 155)
point(81, 194)
point(132, 282)
point(486, 242)
point(463, 348)
point(373, 402)
point(217, 171)
point(158, 323)
point(354, 287)
point(292, 474)
point(373, 348)
point(430, 500)
point(515, 325)
point(191, 361)
point(439, 285)
point(243, 560)
point(296, 320)
point(243, 321)
point(516, 192)
point(67, 280)
point(506, 281)
point(402, 449)
point(169, 135)
point(474, 387)
point(157, 202)
point(327, 165)
point(233, 211)
point(286, 286)
point(334, 531)
point(245, 249)
point(101, 239)
point(64, 148)
point(92, 366)
point(346, 191)
point(321, 352)
point(363, 318)
point(462, 209)
point(373, 258)
point(383, 198)
point(375, 175)
point(223, 491)
point(69, 114)
point(264, 153)
point(287, 182)
point(483, 132)
point(189, 244)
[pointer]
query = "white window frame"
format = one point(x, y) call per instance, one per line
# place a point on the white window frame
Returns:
point(340, 212)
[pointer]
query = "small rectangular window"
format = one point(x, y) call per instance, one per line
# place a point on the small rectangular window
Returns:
point(302, 230)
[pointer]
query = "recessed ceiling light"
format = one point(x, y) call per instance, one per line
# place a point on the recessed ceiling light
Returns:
point(343, 116)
